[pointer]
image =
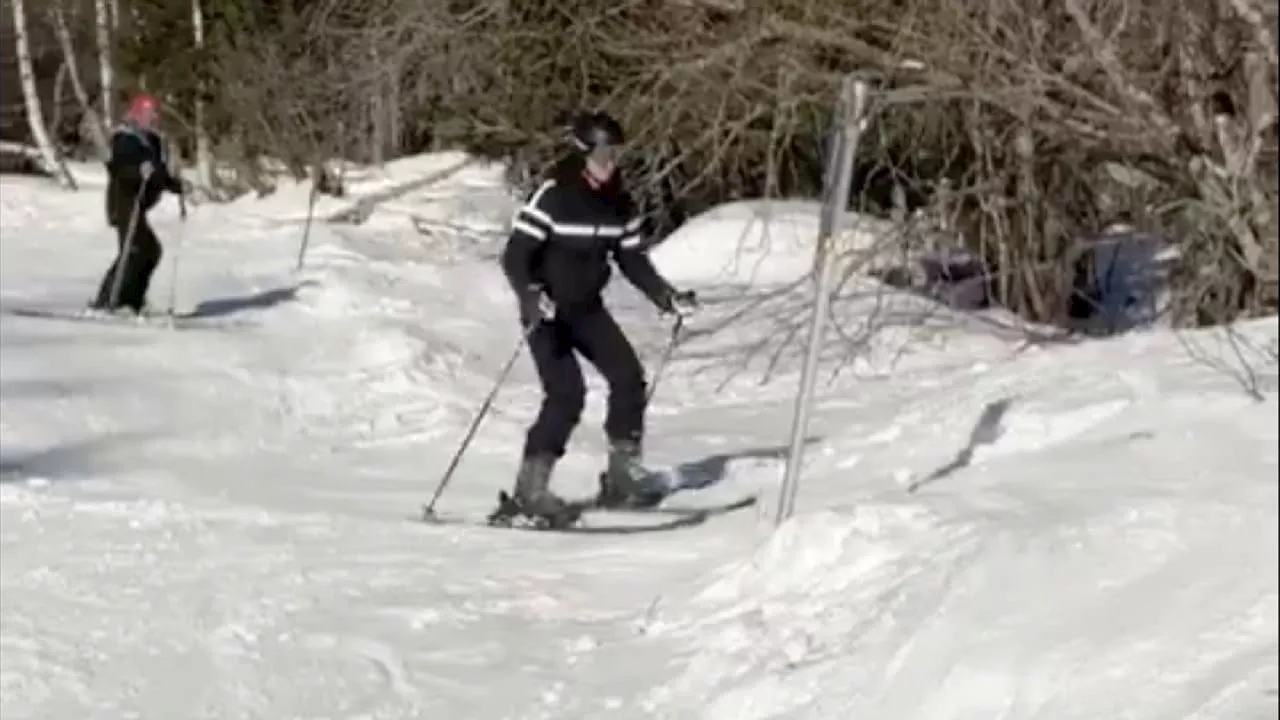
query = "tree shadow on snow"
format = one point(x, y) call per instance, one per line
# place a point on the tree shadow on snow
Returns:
point(712, 469)
point(220, 307)
point(61, 462)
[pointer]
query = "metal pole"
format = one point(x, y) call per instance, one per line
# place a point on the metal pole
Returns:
point(177, 255)
point(126, 249)
point(306, 229)
point(177, 250)
point(851, 114)
point(666, 355)
point(429, 510)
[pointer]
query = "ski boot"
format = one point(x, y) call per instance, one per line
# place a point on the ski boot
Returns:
point(626, 482)
point(119, 312)
point(531, 498)
point(103, 310)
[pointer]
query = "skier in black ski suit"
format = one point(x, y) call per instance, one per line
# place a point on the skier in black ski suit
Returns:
point(136, 175)
point(557, 261)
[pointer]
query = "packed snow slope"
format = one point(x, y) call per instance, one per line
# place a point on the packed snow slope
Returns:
point(215, 521)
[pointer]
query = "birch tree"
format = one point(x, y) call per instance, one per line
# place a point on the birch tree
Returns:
point(95, 122)
point(31, 99)
point(104, 21)
point(204, 151)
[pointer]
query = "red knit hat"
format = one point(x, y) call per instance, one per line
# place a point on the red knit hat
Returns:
point(142, 104)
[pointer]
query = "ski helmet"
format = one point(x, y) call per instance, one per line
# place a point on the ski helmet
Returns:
point(597, 135)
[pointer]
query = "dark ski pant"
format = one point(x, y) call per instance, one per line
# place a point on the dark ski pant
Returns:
point(594, 335)
point(138, 267)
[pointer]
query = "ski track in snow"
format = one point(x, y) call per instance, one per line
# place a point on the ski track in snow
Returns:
point(217, 522)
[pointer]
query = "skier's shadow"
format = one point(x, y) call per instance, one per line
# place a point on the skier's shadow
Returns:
point(220, 307)
point(985, 432)
point(712, 469)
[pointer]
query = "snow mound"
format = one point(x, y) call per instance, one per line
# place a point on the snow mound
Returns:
point(755, 242)
point(363, 185)
point(1066, 572)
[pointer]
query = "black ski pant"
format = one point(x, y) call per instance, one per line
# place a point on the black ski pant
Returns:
point(555, 345)
point(138, 267)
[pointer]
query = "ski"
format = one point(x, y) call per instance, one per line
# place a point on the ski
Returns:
point(585, 511)
point(182, 321)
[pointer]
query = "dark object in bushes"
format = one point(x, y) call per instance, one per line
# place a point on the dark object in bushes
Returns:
point(955, 278)
point(15, 162)
point(958, 279)
point(1118, 278)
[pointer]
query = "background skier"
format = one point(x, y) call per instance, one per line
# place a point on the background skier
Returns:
point(136, 175)
point(557, 261)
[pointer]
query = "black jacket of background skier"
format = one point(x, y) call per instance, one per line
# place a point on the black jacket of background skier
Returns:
point(131, 147)
point(564, 237)
point(129, 196)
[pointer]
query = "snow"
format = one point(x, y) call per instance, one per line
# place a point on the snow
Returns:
point(217, 520)
point(756, 242)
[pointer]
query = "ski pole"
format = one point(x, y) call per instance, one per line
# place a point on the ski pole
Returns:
point(428, 510)
point(117, 281)
point(177, 255)
point(666, 355)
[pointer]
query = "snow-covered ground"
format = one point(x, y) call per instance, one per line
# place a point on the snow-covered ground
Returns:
point(217, 521)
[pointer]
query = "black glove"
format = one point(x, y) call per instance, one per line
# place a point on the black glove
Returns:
point(678, 302)
point(535, 306)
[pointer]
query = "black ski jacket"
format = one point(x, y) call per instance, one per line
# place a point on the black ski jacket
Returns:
point(130, 147)
point(562, 240)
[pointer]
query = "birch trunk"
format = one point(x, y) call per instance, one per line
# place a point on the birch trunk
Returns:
point(395, 122)
point(98, 127)
point(376, 112)
point(204, 151)
point(104, 20)
point(59, 84)
point(31, 99)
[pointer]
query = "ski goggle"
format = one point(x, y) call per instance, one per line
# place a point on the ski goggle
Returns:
point(605, 154)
